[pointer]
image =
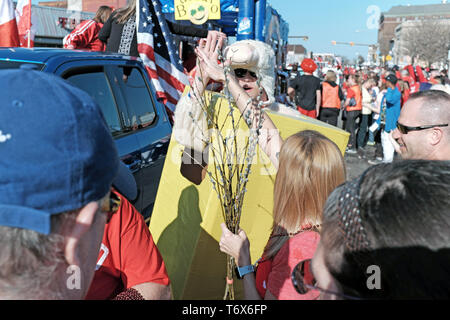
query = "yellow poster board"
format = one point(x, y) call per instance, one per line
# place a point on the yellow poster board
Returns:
point(186, 217)
point(197, 11)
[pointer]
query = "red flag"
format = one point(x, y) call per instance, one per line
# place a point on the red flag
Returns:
point(8, 27)
point(24, 23)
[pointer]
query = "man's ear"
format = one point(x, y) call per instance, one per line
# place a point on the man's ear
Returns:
point(436, 136)
point(77, 229)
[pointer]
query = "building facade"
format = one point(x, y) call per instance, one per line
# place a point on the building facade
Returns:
point(390, 20)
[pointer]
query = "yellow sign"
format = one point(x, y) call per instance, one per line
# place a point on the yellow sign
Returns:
point(197, 11)
point(388, 58)
point(186, 218)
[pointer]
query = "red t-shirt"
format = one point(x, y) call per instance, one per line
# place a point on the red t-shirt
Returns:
point(128, 256)
point(275, 275)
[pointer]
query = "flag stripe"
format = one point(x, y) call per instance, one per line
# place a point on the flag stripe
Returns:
point(156, 49)
point(9, 34)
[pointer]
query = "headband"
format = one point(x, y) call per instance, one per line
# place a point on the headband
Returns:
point(350, 215)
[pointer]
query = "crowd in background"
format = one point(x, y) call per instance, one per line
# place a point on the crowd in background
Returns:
point(366, 102)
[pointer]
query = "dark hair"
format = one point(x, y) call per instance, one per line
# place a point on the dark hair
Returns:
point(402, 211)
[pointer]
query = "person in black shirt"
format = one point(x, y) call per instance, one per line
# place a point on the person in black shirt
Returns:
point(306, 90)
point(119, 31)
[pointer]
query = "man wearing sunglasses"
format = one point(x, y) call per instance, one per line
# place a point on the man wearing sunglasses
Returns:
point(422, 130)
point(58, 161)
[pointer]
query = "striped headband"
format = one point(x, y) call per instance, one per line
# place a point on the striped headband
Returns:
point(350, 215)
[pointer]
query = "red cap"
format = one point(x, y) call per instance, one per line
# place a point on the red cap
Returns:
point(308, 65)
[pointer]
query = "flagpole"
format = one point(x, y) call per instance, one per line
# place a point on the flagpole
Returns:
point(29, 26)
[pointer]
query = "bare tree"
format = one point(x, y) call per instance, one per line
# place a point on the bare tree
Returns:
point(426, 40)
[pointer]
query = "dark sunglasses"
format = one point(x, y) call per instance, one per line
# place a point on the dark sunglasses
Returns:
point(240, 73)
point(405, 129)
point(111, 205)
point(303, 280)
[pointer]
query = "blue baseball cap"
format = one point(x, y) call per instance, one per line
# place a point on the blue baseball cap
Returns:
point(57, 153)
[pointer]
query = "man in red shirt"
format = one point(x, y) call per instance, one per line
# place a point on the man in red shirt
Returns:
point(129, 265)
point(85, 35)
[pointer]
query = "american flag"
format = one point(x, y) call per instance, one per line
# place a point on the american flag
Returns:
point(158, 53)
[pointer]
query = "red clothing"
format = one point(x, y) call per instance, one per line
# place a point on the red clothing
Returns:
point(330, 96)
point(85, 36)
point(308, 113)
point(355, 92)
point(128, 256)
point(420, 74)
point(275, 275)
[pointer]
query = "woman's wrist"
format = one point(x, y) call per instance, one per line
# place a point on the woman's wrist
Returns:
point(244, 257)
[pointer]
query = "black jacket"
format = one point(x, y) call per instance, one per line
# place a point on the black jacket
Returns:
point(111, 33)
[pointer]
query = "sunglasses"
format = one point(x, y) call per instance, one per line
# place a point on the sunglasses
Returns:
point(240, 73)
point(405, 129)
point(110, 205)
point(303, 280)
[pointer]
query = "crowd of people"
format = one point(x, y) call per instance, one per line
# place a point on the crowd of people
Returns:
point(368, 100)
point(67, 230)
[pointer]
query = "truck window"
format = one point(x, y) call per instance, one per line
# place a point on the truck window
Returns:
point(97, 86)
point(140, 105)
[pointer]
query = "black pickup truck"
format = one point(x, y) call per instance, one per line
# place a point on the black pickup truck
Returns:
point(121, 87)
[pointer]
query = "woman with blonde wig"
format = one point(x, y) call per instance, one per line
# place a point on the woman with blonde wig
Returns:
point(310, 168)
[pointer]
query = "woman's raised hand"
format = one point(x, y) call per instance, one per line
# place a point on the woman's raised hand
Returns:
point(208, 52)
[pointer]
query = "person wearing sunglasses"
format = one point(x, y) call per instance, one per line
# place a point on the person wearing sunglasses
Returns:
point(129, 265)
point(384, 235)
point(311, 166)
point(58, 163)
point(423, 128)
point(250, 81)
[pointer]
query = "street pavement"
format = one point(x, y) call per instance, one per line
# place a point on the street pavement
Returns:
point(357, 163)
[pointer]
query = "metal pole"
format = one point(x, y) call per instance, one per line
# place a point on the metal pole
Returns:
point(29, 26)
point(260, 19)
point(246, 17)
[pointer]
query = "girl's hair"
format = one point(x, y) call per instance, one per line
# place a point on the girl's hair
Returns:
point(102, 14)
point(123, 14)
point(330, 76)
point(403, 214)
point(311, 166)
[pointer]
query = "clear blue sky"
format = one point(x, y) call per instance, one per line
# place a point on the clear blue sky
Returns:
point(340, 20)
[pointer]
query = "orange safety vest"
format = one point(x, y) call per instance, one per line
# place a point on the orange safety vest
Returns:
point(358, 98)
point(330, 96)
